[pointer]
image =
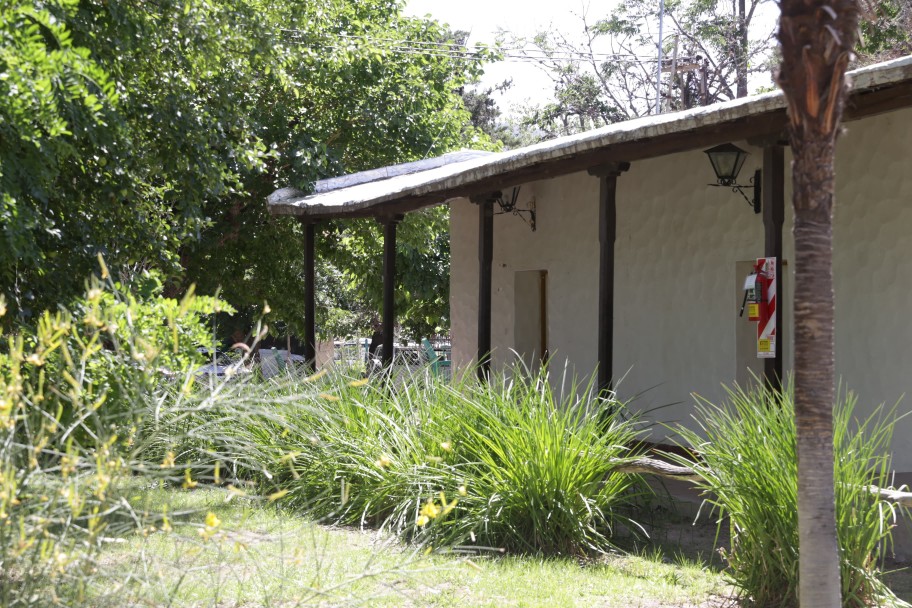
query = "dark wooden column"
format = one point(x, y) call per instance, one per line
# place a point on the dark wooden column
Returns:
point(773, 192)
point(607, 175)
point(310, 327)
point(485, 259)
point(389, 285)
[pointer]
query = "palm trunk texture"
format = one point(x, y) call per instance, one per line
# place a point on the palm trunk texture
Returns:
point(817, 39)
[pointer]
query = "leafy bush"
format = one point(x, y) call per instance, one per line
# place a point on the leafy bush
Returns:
point(748, 460)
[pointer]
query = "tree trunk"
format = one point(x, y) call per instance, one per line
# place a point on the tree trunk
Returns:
point(819, 582)
point(817, 38)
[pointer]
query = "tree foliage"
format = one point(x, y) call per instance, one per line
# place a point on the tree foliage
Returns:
point(886, 31)
point(152, 132)
point(608, 74)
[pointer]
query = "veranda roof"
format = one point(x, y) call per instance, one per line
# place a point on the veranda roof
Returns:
point(402, 188)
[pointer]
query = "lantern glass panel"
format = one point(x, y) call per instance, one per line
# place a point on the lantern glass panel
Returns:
point(727, 161)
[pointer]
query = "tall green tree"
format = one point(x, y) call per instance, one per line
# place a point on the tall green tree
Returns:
point(886, 31)
point(53, 95)
point(363, 95)
point(607, 72)
point(152, 132)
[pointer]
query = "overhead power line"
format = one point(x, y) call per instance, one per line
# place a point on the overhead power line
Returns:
point(459, 51)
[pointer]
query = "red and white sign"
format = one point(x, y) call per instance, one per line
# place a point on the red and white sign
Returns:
point(766, 324)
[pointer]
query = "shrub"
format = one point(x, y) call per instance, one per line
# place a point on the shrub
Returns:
point(747, 457)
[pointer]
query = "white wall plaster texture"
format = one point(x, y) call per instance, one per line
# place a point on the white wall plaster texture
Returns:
point(872, 263)
point(677, 244)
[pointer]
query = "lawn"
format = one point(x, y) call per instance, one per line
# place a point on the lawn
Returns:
point(259, 555)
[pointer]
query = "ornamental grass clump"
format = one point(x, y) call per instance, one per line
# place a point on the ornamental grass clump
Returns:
point(508, 464)
point(539, 466)
point(748, 462)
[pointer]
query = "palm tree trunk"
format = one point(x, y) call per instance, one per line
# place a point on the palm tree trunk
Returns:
point(818, 576)
point(817, 39)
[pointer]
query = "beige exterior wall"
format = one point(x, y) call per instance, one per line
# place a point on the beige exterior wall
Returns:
point(675, 297)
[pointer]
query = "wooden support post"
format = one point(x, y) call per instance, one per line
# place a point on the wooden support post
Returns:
point(310, 327)
point(773, 193)
point(485, 260)
point(389, 286)
point(607, 175)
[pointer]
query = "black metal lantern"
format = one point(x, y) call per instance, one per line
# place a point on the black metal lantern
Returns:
point(727, 160)
point(510, 206)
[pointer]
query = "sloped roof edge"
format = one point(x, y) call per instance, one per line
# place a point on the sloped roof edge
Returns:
point(438, 184)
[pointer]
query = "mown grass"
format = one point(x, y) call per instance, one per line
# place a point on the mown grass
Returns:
point(265, 556)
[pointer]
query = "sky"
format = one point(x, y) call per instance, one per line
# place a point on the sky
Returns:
point(522, 17)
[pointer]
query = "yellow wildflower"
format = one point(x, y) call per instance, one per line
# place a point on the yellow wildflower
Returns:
point(383, 462)
point(422, 520)
point(430, 509)
point(446, 446)
point(232, 492)
point(104, 267)
point(462, 491)
point(168, 461)
point(212, 520)
point(188, 481)
point(447, 507)
point(277, 495)
point(317, 376)
point(212, 524)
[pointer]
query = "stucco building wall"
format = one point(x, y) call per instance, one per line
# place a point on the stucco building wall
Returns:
point(676, 301)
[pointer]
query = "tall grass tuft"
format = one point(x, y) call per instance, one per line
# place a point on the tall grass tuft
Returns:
point(538, 465)
point(747, 457)
point(71, 389)
point(513, 464)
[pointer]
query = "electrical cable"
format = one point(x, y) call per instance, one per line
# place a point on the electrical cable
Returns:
point(459, 51)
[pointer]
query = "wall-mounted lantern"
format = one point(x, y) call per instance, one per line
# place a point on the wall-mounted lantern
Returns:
point(510, 206)
point(727, 160)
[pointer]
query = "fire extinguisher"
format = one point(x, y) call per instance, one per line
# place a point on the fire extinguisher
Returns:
point(755, 286)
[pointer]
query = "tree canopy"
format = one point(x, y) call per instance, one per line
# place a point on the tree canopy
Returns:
point(608, 72)
point(151, 132)
point(712, 51)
